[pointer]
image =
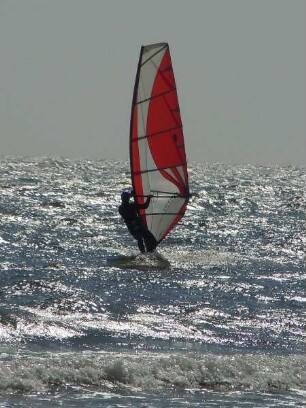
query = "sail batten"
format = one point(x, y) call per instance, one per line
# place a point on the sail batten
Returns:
point(156, 133)
point(156, 96)
point(151, 170)
point(157, 152)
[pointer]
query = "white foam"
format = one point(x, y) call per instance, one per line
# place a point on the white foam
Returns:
point(38, 373)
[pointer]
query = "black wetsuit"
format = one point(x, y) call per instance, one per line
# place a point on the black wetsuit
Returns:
point(129, 212)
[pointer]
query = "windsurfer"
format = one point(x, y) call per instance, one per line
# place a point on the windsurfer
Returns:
point(129, 212)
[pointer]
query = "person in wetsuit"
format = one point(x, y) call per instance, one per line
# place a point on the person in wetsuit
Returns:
point(129, 212)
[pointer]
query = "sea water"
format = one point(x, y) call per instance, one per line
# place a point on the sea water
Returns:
point(222, 326)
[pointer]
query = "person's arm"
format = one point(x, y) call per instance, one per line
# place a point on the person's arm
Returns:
point(145, 205)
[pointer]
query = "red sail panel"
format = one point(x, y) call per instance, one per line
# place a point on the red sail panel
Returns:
point(164, 124)
point(158, 159)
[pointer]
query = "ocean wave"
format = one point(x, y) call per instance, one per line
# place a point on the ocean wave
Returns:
point(264, 373)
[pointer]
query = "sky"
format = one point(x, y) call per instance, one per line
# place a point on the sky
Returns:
point(68, 67)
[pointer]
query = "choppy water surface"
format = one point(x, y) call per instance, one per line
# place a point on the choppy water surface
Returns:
point(223, 325)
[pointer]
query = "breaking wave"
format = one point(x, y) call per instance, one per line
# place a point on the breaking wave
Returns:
point(40, 373)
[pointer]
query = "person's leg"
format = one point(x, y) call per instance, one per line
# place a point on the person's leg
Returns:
point(141, 245)
point(150, 241)
point(136, 232)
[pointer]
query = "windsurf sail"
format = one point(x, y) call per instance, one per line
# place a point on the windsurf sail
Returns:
point(157, 151)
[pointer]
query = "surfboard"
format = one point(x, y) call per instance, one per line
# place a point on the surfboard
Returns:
point(139, 261)
point(157, 150)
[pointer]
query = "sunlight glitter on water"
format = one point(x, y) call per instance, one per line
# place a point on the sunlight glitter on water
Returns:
point(233, 293)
